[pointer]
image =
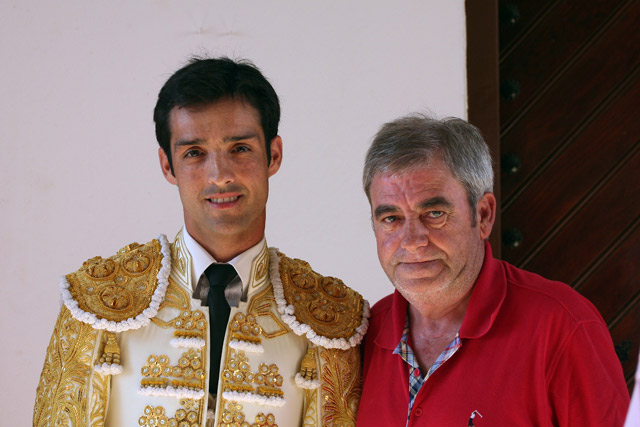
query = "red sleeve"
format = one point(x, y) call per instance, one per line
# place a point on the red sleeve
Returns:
point(586, 383)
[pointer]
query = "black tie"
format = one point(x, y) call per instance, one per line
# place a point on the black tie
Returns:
point(219, 275)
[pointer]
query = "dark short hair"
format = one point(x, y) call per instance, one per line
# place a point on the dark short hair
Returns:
point(207, 80)
point(413, 141)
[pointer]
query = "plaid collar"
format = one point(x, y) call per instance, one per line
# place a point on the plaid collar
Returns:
point(416, 379)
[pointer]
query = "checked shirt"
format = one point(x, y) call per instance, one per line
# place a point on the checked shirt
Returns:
point(416, 379)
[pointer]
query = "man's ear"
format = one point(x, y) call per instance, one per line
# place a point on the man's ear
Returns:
point(276, 155)
point(166, 167)
point(486, 214)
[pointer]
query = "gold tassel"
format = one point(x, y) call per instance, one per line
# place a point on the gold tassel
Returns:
point(308, 367)
point(111, 351)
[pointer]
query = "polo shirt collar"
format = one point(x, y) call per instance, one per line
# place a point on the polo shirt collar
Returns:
point(487, 297)
point(388, 337)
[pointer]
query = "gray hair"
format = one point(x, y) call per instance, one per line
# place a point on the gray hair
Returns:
point(413, 141)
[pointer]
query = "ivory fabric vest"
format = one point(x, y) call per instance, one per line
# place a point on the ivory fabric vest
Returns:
point(131, 346)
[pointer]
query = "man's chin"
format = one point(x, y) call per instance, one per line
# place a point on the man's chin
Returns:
point(419, 271)
point(417, 285)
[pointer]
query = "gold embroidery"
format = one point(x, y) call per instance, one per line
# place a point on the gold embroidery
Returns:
point(98, 398)
point(263, 420)
point(260, 268)
point(179, 254)
point(187, 416)
point(119, 287)
point(66, 380)
point(232, 416)
point(190, 324)
point(245, 328)
point(154, 416)
point(111, 351)
point(176, 296)
point(324, 303)
point(188, 373)
point(269, 380)
point(237, 376)
point(341, 386)
point(308, 366)
point(263, 304)
point(310, 414)
point(190, 413)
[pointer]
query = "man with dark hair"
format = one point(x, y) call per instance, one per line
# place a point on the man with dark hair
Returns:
point(214, 329)
point(465, 339)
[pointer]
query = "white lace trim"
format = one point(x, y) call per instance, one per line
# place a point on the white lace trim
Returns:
point(169, 391)
point(108, 368)
point(287, 311)
point(249, 347)
point(183, 342)
point(254, 398)
point(141, 319)
point(304, 383)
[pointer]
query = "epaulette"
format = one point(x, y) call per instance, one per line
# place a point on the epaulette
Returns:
point(121, 292)
point(325, 310)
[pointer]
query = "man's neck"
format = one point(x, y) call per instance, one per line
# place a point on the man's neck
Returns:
point(433, 330)
point(438, 321)
point(224, 248)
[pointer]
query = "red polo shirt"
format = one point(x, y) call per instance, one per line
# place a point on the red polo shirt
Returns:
point(534, 353)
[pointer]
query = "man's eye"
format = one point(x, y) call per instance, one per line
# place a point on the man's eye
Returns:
point(241, 149)
point(192, 153)
point(389, 219)
point(435, 214)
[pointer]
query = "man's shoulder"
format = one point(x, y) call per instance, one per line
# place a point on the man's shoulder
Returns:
point(120, 292)
point(380, 313)
point(542, 294)
point(382, 307)
point(323, 308)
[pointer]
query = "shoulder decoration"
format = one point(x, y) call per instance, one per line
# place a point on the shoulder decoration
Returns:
point(330, 314)
point(122, 292)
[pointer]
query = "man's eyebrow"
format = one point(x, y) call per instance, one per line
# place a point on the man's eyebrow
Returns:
point(435, 201)
point(384, 209)
point(241, 137)
point(187, 142)
point(233, 138)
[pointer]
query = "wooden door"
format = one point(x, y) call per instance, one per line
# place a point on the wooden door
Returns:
point(569, 149)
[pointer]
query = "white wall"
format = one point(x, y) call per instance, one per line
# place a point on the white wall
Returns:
point(79, 174)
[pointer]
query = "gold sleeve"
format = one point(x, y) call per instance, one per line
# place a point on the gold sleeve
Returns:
point(70, 392)
point(340, 387)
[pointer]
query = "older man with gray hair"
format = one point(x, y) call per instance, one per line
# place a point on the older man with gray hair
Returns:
point(466, 339)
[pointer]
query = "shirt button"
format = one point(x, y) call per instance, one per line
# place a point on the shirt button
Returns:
point(416, 372)
point(417, 412)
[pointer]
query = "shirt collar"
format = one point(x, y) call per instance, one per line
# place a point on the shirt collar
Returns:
point(201, 259)
point(487, 297)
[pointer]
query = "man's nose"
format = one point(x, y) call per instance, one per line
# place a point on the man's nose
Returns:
point(414, 234)
point(219, 169)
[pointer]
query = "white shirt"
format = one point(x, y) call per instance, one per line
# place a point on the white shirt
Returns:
point(201, 259)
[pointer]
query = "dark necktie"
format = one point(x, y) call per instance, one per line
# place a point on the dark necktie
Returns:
point(219, 275)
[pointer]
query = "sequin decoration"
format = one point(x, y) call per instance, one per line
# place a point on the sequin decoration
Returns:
point(233, 416)
point(185, 380)
point(245, 333)
point(241, 384)
point(186, 416)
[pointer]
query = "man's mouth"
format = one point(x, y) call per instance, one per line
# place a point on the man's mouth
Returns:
point(223, 199)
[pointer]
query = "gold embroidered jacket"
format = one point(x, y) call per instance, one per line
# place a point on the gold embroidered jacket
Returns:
point(130, 346)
